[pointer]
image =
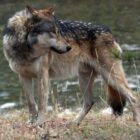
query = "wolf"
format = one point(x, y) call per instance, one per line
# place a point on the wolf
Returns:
point(94, 51)
point(28, 61)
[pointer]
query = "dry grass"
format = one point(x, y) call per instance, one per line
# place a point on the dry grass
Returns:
point(94, 127)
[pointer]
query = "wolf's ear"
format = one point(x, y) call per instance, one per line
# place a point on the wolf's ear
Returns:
point(50, 10)
point(31, 10)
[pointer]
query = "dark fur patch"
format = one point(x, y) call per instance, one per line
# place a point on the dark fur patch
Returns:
point(10, 31)
point(60, 50)
point(116, 100)
point(77, 30)
point(22, 50)
point(18, 50)
point(118, 107)
point(81, 30)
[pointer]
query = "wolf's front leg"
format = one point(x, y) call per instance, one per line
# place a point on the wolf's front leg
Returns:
point(43, 91)
point(27, 86)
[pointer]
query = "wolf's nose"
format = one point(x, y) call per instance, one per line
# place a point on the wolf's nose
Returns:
point(68, 48)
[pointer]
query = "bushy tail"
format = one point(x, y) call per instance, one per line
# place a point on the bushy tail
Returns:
point(116, 100)
point(108, 53)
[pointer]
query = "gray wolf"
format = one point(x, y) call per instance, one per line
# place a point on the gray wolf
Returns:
point(28, 61)
point(94, 51)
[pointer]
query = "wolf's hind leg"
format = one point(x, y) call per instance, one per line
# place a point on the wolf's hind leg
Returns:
point(86, 78)
point(27, 86)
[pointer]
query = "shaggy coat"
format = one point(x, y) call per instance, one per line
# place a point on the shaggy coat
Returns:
point(94, 51)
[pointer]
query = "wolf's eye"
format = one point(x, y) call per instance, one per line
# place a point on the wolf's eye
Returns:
point(36, 30)
point(34, 33)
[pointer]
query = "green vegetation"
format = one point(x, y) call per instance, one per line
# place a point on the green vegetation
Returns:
point(130, 55)
point(115, 53)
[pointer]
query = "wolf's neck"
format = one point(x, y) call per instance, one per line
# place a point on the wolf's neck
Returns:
point(79, 30)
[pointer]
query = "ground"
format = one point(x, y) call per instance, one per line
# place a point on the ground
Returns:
point(95, 126)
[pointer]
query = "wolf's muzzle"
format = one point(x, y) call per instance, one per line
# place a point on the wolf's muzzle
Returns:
point(60, 50)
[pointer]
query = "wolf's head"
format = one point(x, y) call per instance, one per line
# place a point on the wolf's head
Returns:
point(43, 30)
point(23, 37)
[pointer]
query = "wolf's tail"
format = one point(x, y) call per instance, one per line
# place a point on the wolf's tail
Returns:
point(109, 60)
point(116, 100)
